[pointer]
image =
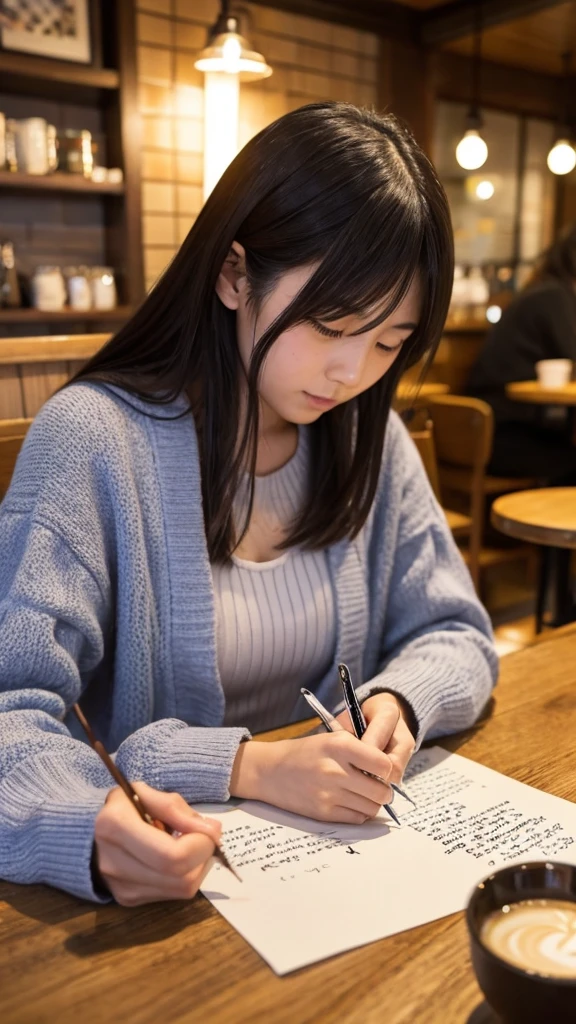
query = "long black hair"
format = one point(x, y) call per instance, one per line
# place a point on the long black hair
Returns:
point(348, 191)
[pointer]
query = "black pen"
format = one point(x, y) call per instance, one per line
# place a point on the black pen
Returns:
point(358, 720)
point(331, 724)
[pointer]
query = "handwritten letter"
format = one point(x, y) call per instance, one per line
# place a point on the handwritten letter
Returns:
point(312, 889)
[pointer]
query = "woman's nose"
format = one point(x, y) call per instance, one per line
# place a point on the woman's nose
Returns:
point(347, 363)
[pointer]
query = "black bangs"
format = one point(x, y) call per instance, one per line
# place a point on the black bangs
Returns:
point(332, 187)
point(358, 280)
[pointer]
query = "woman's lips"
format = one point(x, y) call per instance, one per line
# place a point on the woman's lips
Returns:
point(320, 402)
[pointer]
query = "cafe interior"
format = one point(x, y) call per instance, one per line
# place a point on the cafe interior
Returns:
point(118, 118)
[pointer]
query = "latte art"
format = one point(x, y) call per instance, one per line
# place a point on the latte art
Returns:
point(536, 935)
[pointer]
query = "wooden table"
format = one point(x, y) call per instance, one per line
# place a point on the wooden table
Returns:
point(63, 961)
point(544, 516)
point(532, 391)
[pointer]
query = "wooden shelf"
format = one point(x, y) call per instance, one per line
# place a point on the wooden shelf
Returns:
point(39, 316)
point(59, 181)
point(29, 75)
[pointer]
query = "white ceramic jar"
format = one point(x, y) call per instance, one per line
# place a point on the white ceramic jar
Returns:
point(79, 290)
point(103, 288)
point(48, 289)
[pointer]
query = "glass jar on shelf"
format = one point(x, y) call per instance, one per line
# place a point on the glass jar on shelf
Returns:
point(78, 286)
point(104, 294)
point(76, 152)
point(48, 289)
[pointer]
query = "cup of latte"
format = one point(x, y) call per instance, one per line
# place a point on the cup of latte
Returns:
point(522, 928)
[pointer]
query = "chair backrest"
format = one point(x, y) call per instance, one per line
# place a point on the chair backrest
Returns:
point(12, 434)
point(463, 430)
point(463, 435)
point(424, 441)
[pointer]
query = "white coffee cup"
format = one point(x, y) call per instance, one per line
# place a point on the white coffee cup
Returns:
point(554, 373)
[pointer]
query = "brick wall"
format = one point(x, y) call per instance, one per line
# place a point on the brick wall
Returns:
point(312, 60)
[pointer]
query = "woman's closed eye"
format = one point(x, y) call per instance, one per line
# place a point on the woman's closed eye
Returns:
point(329, 332)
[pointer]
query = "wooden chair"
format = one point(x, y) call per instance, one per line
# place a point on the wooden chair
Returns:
point(463, 435)
point(423, 438)
point(12, 434)
point(462, 474)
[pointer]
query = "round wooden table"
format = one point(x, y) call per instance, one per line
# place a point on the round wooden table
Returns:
point(546, 517)
point(532, 391)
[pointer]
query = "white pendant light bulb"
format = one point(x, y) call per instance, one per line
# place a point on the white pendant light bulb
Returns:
point(485, 189)
point(562, 157)
point(471, 151)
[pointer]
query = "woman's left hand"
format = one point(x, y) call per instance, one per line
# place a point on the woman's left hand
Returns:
point(387, 730)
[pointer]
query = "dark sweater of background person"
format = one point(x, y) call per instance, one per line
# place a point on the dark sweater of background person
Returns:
point(539, 324)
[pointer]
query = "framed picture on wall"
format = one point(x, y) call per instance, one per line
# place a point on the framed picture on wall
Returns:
point(47, 28)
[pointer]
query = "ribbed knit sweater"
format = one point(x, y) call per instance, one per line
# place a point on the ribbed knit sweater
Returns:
point(106, 593)
point(275, 620)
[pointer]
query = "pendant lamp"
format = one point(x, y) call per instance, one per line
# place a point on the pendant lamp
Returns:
point(226, 60)
point(562, 157)
point(472, 151)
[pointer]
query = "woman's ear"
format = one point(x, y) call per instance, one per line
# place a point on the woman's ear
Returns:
point(232, 277)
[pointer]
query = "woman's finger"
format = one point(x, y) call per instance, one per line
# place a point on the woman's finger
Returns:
point(122, 826)
point(173, 810)
point(361, 804)
point(348, 816)
point(361, 755)
point(368, 788)
point(381, 728)
point(400, 750)
point(134, 894)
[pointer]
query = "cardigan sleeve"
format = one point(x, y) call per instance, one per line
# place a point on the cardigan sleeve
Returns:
point(436, 646)
point(53, 619)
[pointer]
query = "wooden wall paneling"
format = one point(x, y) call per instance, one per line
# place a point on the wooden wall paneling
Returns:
point(39, 382)
point(503, 88)
point(453, 21)
point(11, 394)
point(406, 87)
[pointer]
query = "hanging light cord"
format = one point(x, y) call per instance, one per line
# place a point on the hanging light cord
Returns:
point(476, 60)
point(566, 62)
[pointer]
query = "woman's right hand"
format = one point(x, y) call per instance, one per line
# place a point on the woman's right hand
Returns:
point(140, 864)
point(317, 776)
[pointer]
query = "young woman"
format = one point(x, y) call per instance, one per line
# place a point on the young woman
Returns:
point(220, 508)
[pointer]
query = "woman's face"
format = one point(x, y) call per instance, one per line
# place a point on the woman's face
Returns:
point(316, 365)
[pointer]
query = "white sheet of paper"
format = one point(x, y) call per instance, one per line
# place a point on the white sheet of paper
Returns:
point(311, 889)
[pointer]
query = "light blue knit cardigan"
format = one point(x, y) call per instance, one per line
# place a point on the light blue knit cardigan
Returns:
point(105, 590)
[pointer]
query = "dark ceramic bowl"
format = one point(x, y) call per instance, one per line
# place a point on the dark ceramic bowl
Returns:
point(517, 996)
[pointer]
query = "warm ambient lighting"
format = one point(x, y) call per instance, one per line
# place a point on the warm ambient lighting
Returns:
point(485, 189)
point(493, 314)
point(562, 157)
point(221, 99)
point(471, 151)
point(226, 60)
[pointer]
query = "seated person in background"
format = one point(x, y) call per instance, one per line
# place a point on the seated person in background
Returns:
point(539, 324)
